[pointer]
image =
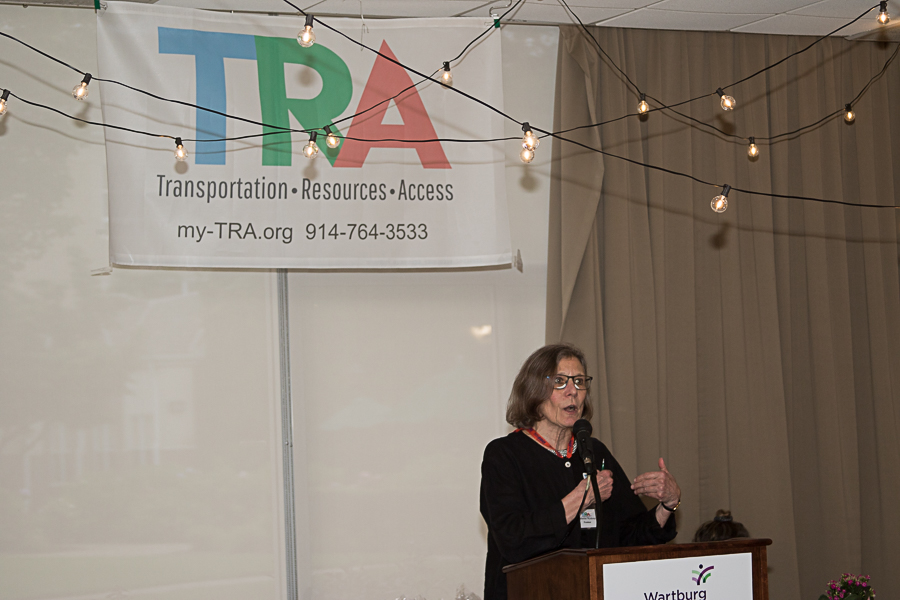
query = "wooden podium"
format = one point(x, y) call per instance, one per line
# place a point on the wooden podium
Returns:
point(578, 574)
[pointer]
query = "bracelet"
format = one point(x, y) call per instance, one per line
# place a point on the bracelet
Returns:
point(673, 509)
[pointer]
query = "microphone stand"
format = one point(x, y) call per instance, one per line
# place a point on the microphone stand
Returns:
point(587, 455)
point(598, 505)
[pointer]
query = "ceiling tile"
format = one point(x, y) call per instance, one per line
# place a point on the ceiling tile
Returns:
point(782, 17)
point(794, 25)
point(397, 8)
point(845, 9)
point(552, 12)
point(629, 4)
point(757, 7)
point(258, 5)
point(350, 8)
point(864, 25)
point(649, 18)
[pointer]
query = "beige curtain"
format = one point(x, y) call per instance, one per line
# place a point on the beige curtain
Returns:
point(758, 350)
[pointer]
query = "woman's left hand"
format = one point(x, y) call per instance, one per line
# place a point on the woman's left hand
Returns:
point(660, 485)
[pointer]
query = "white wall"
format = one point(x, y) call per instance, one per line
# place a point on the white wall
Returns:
point(139, 433)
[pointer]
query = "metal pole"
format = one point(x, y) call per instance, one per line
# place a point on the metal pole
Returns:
point(287, 438)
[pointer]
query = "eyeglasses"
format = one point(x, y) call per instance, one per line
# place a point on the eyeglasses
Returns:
point(561, 381)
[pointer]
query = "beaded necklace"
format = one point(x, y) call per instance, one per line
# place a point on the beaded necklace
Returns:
point(570, 450)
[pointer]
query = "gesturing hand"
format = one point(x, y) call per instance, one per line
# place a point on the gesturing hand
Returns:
point(605, 484)
point(660, 485)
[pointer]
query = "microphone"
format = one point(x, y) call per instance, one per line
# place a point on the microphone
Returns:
point(582, 430)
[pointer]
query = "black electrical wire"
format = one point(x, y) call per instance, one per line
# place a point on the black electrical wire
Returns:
point(550, 134)
point(251, 121)
point(763, 70)
point(408, 68)
point(831, 115)
point(488, 30)
point(258, 135)
point(428, 78)
point(149, 134)
point(80, 120)
point(827, 35)
point(827, 117)
point(557, 135)
point(41, 52)
point(485, 32)
point(823, 200)
point(600, 48)
point(841, 110)
point(663, 106)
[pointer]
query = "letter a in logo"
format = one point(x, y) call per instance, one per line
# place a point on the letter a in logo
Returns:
point(386, 80)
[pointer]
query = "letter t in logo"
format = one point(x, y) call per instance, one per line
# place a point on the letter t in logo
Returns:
point(210, 49)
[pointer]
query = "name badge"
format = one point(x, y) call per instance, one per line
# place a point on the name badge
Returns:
point(589, 519)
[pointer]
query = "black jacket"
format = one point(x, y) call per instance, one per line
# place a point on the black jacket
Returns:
point(522, 487)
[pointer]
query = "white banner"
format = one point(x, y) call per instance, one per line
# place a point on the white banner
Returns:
point(380, 200)
point(719, 577)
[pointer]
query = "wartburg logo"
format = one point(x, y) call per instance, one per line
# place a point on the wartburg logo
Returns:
point(702, 574)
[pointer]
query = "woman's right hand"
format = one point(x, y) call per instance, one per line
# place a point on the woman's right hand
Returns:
point(573, 499)
point(605, 484)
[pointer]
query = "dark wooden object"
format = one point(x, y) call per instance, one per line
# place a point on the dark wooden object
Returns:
point(578, 574)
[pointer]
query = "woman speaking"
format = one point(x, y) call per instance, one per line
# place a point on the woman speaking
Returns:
point(533, 480)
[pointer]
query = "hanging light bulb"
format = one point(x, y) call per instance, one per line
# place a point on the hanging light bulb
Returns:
point(311, 150)
point(307, 37)
point(80, 91)
point(849, 115)
point(752, 149)
point(446, 75)
point(527, 155)
point(529, 140)
point(720, 202)
point(331, 140)
point(643, 107)
point(727, 102)
point(3, 100)
point(180, 153)
point(883, 17)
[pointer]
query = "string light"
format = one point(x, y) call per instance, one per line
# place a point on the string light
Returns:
point(529, 140)
point(331, 140)
point(529, 143)
point(80, 91)
point(643, 107)
point(727, 102)
point(527, 155)
point(447, 76)
point(311, 150)
point(180, 153)
point(307, 37)
point(720, 202)
point(883, 17)
point(752, 149)
point(849, 115)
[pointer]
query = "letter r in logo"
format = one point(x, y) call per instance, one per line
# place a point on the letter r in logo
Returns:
point(337, 89)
